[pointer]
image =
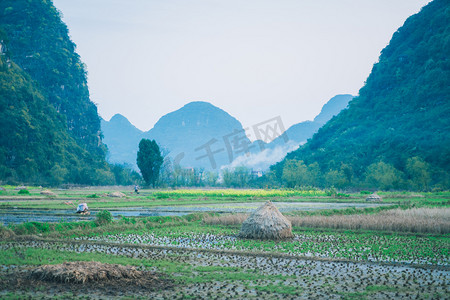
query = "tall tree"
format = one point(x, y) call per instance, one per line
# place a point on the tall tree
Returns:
point(149, 161)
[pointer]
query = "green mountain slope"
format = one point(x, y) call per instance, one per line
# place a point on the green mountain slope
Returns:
point(39, 43)
point(34, 145)
point(50, 130)
point(396, 134)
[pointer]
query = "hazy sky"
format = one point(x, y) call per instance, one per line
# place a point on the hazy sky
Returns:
point(256, 59)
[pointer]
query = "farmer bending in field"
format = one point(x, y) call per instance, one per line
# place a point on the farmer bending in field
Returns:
point(136, 189)
point(82, 208)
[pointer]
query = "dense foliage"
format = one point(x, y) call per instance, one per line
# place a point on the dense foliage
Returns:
point(39, 43)
point(50, 130)
point(396, 133)
point(149, 161)
point(34, 145)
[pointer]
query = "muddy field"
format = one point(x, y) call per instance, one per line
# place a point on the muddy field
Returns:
point(245, 275)
point(109, 280)
point(188, 258)
point(15, 215)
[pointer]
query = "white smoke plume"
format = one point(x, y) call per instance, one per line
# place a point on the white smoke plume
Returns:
point(263, 160)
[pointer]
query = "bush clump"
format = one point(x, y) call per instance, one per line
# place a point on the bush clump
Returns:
point(93, 196)
point(24, 192)
point(103, 217)
point(5, 233)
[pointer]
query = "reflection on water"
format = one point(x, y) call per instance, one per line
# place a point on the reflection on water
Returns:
point(8, 216)
point(15, 216)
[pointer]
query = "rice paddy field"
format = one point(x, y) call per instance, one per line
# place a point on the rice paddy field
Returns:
point(186, 240)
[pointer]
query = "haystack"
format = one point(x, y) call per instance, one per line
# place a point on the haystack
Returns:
point(48, 193)
point(266, 223)
point(374, 198)
point(117, 194)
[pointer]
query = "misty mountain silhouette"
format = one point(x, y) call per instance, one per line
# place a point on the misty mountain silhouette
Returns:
point(186, 135)
point(201, 135)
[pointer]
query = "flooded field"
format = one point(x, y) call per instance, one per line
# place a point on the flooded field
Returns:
point(15, 215)
point(233, 274)
point(208, 260)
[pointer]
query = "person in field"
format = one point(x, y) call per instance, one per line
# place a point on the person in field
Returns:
point(82, 208)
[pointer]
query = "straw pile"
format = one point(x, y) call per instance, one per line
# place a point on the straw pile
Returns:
point(374, 198)
point(83, 272)
point(117, 195)
point(48, 193)
point(266, 223)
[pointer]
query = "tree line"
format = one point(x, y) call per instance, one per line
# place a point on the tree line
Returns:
point(159, 171)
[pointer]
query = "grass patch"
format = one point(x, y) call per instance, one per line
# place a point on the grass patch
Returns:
point(93, 196)
point(189, 231)
point(280, 289)
point(35, 256)
point(237, 193)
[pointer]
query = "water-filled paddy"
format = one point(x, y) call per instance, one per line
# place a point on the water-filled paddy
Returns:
point(9, 216)
point(15, 216)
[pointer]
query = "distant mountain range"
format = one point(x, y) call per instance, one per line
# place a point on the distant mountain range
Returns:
point(198, 135)
point(201, 135)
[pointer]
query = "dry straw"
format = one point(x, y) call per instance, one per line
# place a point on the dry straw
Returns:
point(82, 272)
point(417, 220)
point(266, 223)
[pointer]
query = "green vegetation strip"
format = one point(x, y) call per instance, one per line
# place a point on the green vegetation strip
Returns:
point(18, 257)
point(347, 245)
point(190, 232)
point(97, 199)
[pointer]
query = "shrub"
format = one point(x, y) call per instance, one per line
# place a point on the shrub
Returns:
point(331, 192)
point(24, 192)
point(5, 232)
point(103, 217)
point(93, 196)
point(130, 220)
point(340, 195)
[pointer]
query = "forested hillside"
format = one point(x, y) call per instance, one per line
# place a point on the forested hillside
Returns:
point(34, 144)
point(50, 130)
point(396, 133)
point(39, 43)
